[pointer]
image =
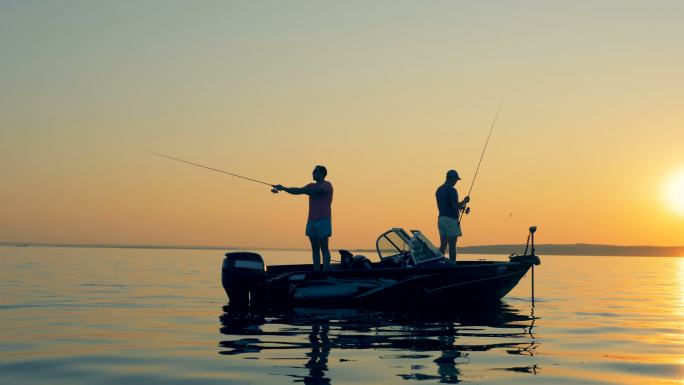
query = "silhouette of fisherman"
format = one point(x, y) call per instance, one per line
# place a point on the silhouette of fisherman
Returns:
point(319, 223)
point(448, 222)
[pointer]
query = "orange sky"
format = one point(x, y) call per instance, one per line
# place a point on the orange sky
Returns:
point(387, 95)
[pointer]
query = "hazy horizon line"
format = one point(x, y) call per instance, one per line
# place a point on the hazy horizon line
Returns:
point(549, 248)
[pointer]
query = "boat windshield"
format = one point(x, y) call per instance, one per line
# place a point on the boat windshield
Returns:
point(392, 243)
point(422, 250)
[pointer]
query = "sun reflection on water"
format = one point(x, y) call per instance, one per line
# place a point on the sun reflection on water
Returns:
point(680, 312)
point(680, 280)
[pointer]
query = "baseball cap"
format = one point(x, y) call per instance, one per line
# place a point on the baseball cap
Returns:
point(452, 174)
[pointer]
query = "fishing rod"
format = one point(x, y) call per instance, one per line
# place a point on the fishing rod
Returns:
point(214, 169)
point(465, 208)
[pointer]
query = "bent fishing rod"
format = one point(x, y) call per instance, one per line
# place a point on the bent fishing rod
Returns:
point(273, 190)
point(466, 209)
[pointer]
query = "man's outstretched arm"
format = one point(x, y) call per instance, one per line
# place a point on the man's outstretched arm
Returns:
point(308, 190)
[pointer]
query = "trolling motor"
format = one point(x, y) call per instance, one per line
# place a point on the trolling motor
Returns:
point(533, 229)
point(530, 258)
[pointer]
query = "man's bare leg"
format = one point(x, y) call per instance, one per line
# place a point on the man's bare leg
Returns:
point(442, 243)
point(326, 252)
point(316, 253)
point(452, 248)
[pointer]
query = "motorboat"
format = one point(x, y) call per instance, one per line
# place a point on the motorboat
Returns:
point(409, 271)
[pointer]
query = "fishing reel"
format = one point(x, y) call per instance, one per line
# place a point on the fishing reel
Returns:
point(275, 190)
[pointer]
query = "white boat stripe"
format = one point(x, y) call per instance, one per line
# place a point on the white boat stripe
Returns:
point(249, 265)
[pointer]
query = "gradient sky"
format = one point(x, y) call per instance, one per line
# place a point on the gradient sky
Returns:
point(387, 94)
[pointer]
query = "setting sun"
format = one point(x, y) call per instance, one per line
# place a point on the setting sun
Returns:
point(674, 191)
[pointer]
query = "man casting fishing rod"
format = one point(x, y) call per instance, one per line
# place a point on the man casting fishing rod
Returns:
point(319, 223)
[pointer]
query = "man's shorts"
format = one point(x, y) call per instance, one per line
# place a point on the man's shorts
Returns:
point(320, 228)
point(449, 227)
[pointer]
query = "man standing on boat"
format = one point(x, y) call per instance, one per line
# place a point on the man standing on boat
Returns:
point(319, 223)
point(449, 207)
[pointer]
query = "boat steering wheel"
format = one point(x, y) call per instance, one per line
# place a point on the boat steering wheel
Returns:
point(404, 258)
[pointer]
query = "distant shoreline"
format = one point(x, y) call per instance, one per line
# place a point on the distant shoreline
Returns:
point(577, 249)
point(580, 249)
point(136, 246)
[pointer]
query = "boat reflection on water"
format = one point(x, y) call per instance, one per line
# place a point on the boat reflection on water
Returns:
point(448, 340)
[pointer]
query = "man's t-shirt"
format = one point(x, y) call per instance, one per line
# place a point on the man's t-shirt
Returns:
point(319, 205)
point(447, 200)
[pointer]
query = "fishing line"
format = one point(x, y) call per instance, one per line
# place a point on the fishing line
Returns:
point(465, 208)
point(209, 168)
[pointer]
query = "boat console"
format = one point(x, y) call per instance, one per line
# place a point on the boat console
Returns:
point(411, 250)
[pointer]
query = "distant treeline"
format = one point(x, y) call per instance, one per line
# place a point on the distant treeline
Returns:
point(580, 249)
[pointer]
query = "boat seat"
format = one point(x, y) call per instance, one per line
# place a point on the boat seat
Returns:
point(362, 263)
point(398, 260)
point(350, 261)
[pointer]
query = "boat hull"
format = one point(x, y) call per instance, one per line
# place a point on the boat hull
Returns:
point(463, 284)
point(411, 272)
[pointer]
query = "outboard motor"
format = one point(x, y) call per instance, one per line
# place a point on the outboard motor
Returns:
point(243, 278)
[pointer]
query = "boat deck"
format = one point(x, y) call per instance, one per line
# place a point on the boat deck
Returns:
point(337, 267)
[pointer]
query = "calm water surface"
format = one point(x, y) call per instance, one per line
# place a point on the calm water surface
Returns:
point(129, 316)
